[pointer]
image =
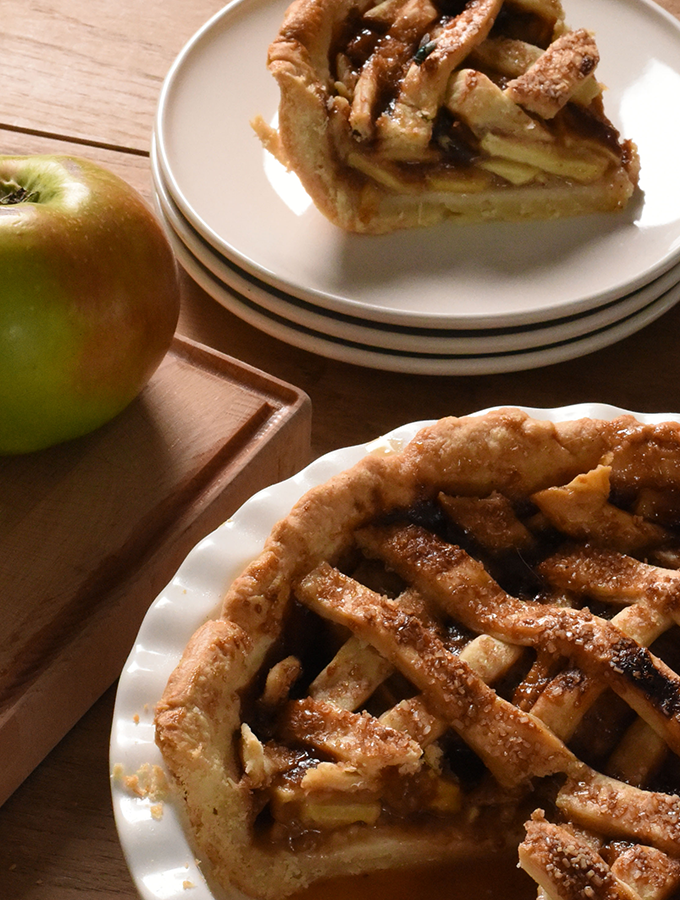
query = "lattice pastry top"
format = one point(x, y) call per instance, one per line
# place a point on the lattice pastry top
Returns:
point(461, 647)
point(405, 112)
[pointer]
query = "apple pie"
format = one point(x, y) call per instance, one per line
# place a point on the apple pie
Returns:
point(459, 649)
point(407, 112)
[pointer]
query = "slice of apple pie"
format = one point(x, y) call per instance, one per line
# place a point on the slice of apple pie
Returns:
point(453, 651)
point(406, 112)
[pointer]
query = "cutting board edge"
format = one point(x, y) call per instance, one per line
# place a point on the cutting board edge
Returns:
point(82, 669)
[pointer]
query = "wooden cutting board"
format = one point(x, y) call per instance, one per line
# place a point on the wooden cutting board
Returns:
point(91, 531)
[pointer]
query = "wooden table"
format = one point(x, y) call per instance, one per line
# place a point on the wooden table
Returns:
point(83, 76)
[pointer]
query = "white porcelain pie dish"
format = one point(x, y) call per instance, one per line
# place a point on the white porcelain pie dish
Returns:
point(158, 850)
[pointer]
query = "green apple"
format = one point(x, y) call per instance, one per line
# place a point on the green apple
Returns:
point(89, 298)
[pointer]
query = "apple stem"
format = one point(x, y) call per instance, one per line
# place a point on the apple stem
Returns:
point(12, 193)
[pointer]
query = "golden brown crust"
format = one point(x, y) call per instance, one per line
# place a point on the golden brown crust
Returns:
point(567, 866)
point(333, 802)
point(548, 85)
point(364, 116)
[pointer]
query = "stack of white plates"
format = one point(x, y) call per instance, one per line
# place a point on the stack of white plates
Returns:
point(447, 300)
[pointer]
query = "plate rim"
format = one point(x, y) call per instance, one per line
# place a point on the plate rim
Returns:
point(356, 353)
point(445, 341)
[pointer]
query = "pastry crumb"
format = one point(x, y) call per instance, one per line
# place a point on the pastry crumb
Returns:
point(148, 782)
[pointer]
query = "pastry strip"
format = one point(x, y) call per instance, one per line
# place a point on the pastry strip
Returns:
point(491, 521)
point(356, 738)
point(653, 874)
point(514, 745)
point(567, 867)
point(467, 592)
point(614, 578)
point(392, 52)
point(488, 658)
point(639, 754)
point(352, 676)
point(555, 77)
point(619, 810)
point(582, 510)
point(654, 595)
point(406, 129)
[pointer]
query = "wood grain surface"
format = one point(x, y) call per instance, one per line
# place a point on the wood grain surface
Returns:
point(83, 76)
